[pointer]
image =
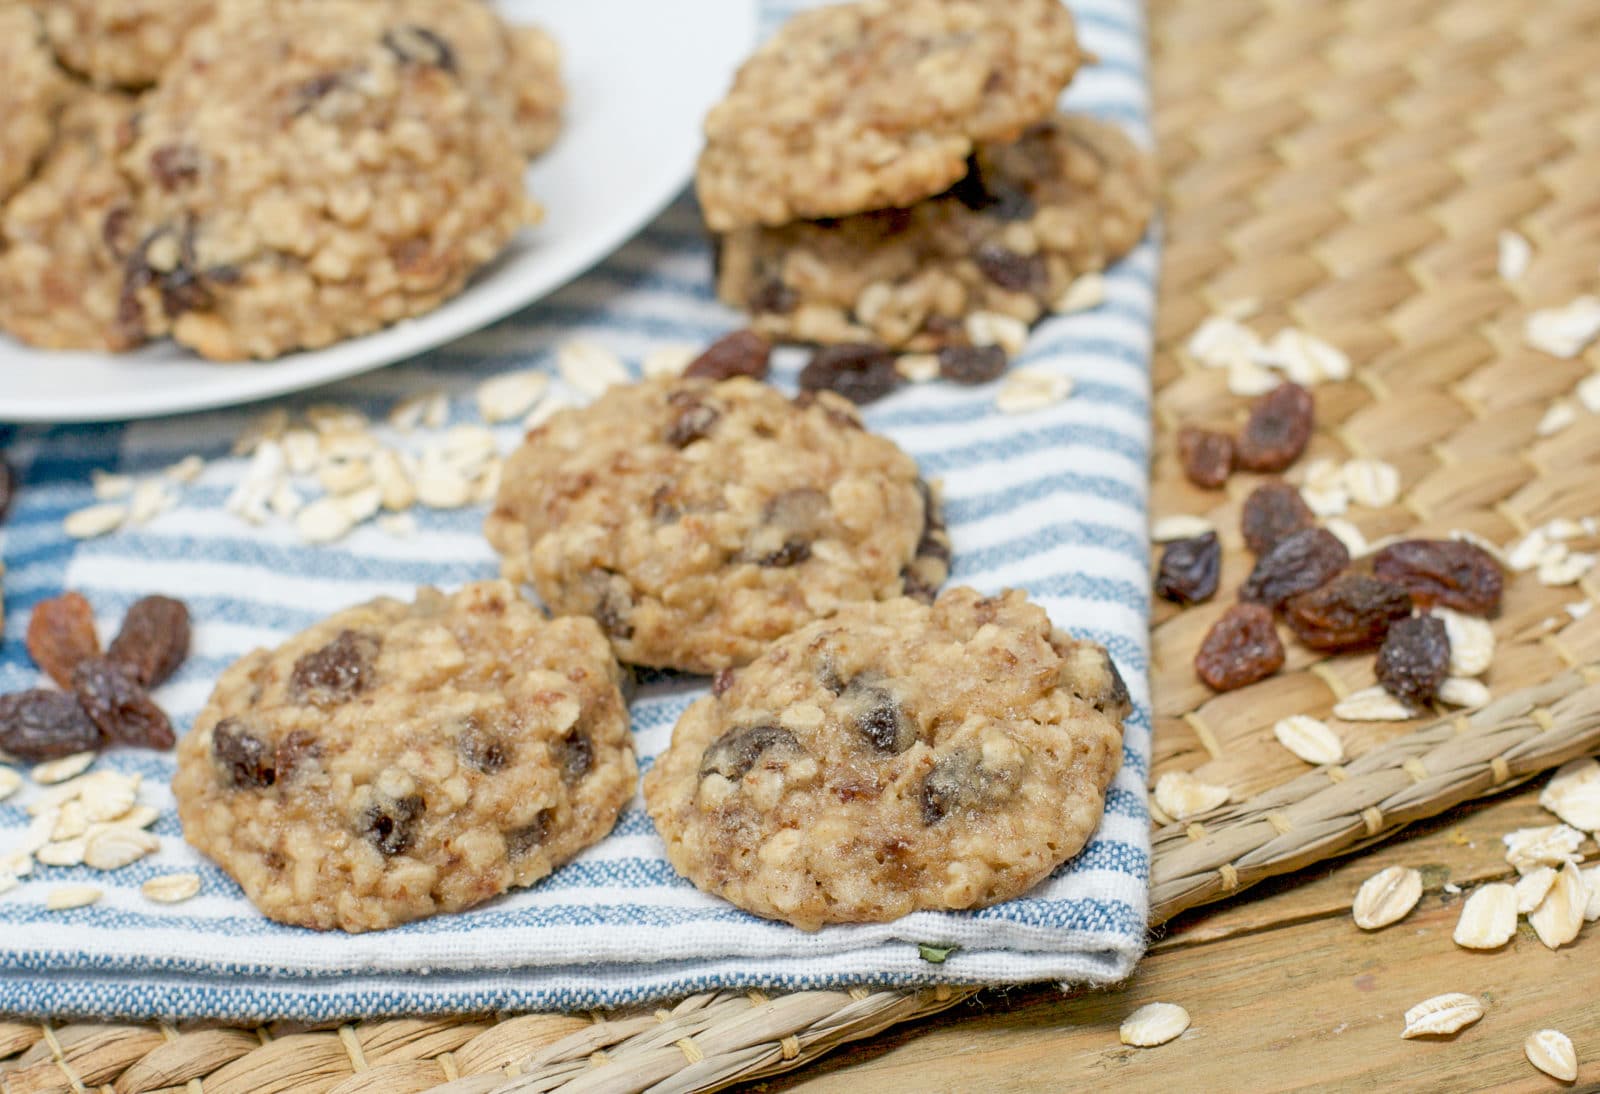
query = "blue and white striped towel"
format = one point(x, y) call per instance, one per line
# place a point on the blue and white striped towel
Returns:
point(1053, 502)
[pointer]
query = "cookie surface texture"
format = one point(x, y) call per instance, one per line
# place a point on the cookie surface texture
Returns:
point(877, 104)
point(894, 757)
point(1070, 197)
point(697, 521)
point(399, 760)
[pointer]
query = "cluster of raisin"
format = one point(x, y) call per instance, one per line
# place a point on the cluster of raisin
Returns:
point(104, 697)
point(1303, 574)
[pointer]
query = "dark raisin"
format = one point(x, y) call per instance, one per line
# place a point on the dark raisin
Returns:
point(1351, 612)
point(1113, 698)
point(293, 752)
point(1278, 429)
point(420, 46)
point(115, 702)
point(42, 725)
point(772, 295)
point(1189, 569)
point(613, 603)
point(335, 673)
point(61, 635)
point(1414, 659)
point(1273, 511)
point(520, 841)
point(154, 639)
point(971, 364)
point(997, 197)
point(575, 755)
point(115, 231)
point(391, 825)
point(1008, 269)
point(1239, 649)
point(1458, 575)
point(861, 373)
point(733, 754)
point(742, 353)
point(175, 165)
point(1296, 564)
point(930, 564)
point(792, 553)
point(693, 422)
point(8, 486)
point(246, 760)
point(872, 711)
point(1206, 455)
point(721, 682)
point(482, 749)
point(306, 94)
point(790, 522)
point(952, 783)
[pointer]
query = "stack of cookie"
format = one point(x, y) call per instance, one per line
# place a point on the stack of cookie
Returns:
point(253, 177)
point(895, 172)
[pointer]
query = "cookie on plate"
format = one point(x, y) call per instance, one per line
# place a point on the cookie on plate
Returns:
point(399, 760)
point(120, 43)
point(1071, 196)
point(877, 104)
point(31, 95)
point(698, 521)
point(64, 235)
point(892, 758)
point(314, 175)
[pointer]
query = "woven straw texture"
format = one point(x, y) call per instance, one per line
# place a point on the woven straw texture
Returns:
point(1347, 165)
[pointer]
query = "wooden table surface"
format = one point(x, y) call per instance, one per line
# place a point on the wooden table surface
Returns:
point(1284, 993)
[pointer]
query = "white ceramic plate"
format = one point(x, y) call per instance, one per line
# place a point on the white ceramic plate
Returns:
point(640, 76)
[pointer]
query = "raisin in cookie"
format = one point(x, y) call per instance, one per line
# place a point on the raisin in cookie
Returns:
point(697, 521)
point(120, 43)
point(64, 235)
point(312, 170)
point(876, 104)
point(1071, 196)
point(32, 92)
point(891, 758)
point(398, 760)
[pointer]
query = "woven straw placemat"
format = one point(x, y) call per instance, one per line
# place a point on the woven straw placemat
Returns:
point(1349, 166)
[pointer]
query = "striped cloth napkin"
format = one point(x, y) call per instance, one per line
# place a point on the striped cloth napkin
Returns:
point(1052, 501)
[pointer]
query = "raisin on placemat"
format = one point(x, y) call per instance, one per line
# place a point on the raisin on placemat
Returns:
point(742, 353)
point(1414, 659)
point(971, 364)
point(1458, 575)
point(860, 372)
point(1189, 569)
point(1277, 430)
point(123, 711)
point(61, 634)
point(1351, 612)
point(154, 639)
point(1206, 455)
point(1239, 649)
point(43, 725)
point(1273, 511)
point(1296, 564)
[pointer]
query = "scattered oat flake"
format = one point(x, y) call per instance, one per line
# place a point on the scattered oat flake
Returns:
point(546, 409)
point(1028, 389)
point(140, 816)
point(589, 367)
point(1386, 897)
point(110, 797)
point(1591, 878)
point(1527, 552)
point(398, 525)
point(67, 767)
point(330, 418)
point(1310, 739)
point(8, 881)
point(440, 486)
point(1566, 571)
point(1564, 331)
point(323, 521)
point(1532, 887)
point(1222, 339)
point(1551, 1052)
point(1371, 483)
point(1513, 256)
point(1179, 526)
point(1588, 392)
point(406, 415)
point(918, 368)
point(1578, 609)
point(1464, 692)
point(1471, 641)
point(171, 888)
point(1573, 794)
point(1327, 501)
point(1559, 917)
point(1248, 378)
point(150, 499)
point(1349, 535)
point(1304, 358)
point(63, 897)
point(1372, 705)
point(668, 360)
point(96, 520)
point(71, 822)
point(1154, 1024)
point(108, 486)
point(1443, 1014)
point(991, 328)
point(1467, 535)
point(186, 470)
point(1086, 291)
point(1527, 849)
point(285, 500)
point(118, 846)
point(1180, 795)
point(510, 395)
point(1488, 918)
point(67, 852)
point(1560, 415)
point(268, 427)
